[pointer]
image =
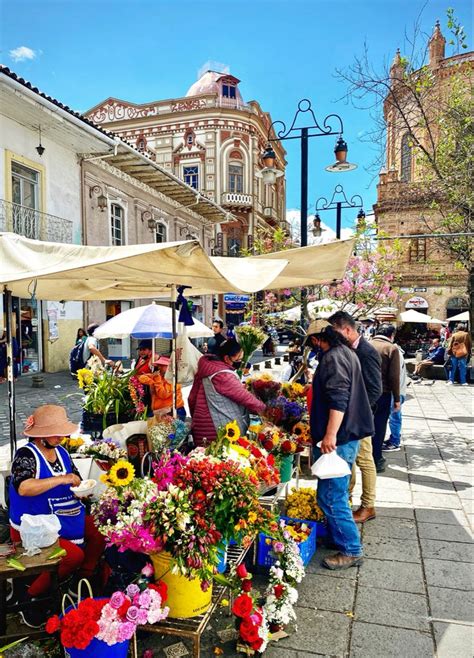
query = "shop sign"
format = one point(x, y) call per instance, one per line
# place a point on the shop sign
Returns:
point(241, 299)
point(235, 307)
point(416, 302)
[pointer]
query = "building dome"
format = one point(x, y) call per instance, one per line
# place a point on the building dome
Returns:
point(213, 82)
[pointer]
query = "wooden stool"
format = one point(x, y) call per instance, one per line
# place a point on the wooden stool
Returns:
point(34, 567)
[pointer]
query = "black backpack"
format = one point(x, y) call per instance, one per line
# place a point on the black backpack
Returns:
point(76, 357)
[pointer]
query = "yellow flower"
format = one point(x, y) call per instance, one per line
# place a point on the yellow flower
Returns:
point(232, 431)
point(84, 377)
point(121, 473)
point(241, 451)
point(104, 478)
point(252, 517)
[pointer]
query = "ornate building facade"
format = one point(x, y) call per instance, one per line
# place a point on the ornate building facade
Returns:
point(213, 141)
point(428, 277)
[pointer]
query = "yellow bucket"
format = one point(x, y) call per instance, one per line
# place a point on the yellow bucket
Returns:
point(185, 596)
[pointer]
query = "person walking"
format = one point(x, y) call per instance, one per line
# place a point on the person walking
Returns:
point(395, 420)
point(383, 343)
point(340, 416)
point(370, 364)
point(218, 338)
point(91, 346)
point(459, 349)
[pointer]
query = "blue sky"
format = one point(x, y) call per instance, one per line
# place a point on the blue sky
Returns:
point(282, 51)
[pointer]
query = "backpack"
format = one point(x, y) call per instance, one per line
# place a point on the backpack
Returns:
point(76, 357)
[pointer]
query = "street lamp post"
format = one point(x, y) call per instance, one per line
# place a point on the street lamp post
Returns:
point(304, 133)
point(338, 202)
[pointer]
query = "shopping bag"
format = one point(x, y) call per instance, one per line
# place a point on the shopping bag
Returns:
point(330, 465)
point(187, 360)
point(38, 531)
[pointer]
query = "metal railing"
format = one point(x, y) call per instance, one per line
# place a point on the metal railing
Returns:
point(34, 224)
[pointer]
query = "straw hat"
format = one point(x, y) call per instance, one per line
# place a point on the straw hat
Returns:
point(315, 327)
point(49, 420)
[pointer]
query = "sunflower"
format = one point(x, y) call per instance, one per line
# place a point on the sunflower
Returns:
point(300, 429)
point(232, 431)
point(121, 473)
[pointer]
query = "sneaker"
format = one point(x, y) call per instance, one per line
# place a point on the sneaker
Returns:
point(449, 383)
point(34, 616)
point(388, 446)
point(465, 384)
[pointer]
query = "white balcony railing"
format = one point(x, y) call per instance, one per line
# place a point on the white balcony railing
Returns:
point(34, 224)
point(236, 199)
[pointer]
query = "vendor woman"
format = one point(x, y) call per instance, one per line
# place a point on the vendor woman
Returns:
point(218, 396)
point(41, 480)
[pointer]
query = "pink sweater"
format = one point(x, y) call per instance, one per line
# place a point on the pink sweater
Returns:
point(229, 386)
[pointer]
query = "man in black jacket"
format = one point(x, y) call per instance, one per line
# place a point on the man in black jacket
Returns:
point(370, 363)
point(340, 417)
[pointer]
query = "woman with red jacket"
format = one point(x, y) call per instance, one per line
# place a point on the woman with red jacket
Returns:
point(218, 396)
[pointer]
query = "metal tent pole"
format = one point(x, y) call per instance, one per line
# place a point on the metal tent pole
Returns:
point(7, 301)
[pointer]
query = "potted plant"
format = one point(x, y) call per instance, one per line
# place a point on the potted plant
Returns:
point(107, 399)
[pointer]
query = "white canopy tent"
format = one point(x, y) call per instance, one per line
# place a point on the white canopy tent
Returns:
point(417, 317)
point(460, 317)
point(55, 271)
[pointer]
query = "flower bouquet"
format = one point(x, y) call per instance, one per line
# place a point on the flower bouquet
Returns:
point(111, 621)
point(280, 600)
point(137, 395)
point(106, 392)
point(250, 338)
point(294, 392)
point(301, 504)
point(105, 452)
point(167, 433)
point(264, 387)
point(72, 444)
point(285, 413)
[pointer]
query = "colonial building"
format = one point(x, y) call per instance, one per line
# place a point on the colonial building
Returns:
point(64, 179)
point(428, 277)
point(213, 140)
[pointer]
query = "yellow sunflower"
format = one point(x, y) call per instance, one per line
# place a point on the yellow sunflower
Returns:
point(300, 429)
point(84, 378)
point(232, 431)
point(121, 473)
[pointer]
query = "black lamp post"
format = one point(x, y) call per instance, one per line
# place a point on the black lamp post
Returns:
point(311, 129)
point(338, 202)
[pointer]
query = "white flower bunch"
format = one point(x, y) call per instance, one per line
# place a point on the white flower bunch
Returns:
point(280, 598)
point(105, 449)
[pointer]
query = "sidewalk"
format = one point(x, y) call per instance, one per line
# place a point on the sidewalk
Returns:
point(412, 596)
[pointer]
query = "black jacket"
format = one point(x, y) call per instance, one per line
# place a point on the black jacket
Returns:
point(338, 384)
point(371, 366)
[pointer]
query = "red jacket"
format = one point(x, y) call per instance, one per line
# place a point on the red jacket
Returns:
point(202, 425)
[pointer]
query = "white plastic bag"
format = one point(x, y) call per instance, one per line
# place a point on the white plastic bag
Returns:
point(330, 465)
point(38, 531)
point(188, 357)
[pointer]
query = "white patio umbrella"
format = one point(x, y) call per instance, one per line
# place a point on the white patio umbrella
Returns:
point(151, 321)
point(415, 316)
point(460, 317)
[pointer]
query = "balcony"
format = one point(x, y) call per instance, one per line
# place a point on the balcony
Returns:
point(237, 200)
point(34, 224)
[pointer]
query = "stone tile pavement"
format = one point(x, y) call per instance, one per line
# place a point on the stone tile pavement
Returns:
point(413, 595)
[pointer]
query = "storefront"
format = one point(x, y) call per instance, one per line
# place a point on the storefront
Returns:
point(235, 308)
point(418, 303)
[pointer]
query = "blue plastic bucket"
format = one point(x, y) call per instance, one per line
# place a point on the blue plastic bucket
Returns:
point(222, 553)
point(98, 649)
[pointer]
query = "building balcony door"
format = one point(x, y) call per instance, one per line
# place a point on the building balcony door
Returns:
point(118, 348)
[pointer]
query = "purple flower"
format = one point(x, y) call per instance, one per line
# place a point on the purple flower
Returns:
point(132, 589)
point(132, 614)
point(126, 631)
point(142, 617)
point(117, 599)
point(144, 599)
point(278, 547)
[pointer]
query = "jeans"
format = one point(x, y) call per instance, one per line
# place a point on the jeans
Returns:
point(333, 499)
point(381, 416)
point(395, 423)
point(460, 363)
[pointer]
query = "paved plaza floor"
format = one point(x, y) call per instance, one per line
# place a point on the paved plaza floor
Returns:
point(412, 596)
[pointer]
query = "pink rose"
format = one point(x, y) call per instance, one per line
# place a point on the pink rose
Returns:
point(147, 570)
point(132, 589)
point(132, 614)
point(117, 599)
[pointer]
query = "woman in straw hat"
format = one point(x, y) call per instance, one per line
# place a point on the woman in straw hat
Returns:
point(42, 476)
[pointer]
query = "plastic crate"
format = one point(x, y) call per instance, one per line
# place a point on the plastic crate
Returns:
point(307, 548)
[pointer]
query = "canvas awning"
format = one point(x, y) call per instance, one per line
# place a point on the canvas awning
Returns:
point(55, 271)
point(416, 316)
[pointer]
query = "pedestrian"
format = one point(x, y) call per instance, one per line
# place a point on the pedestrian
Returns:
point(218, 338)
point(41, 480)
point(340, 416)
point(91, 346)
point(81, 336)
point(459, 349)
point(383, 343)
point(218, 396)
point(395, 420)
point(435, 357)
point(370, 364)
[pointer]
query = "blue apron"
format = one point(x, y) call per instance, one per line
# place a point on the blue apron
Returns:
point(59, 500)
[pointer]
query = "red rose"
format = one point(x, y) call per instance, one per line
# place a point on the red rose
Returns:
point(257, 644)
point(243, 605)
point(53, 624)
point(268, 445)
point(242, 571)
point(271, 460)
point(247, 585)
point(248, 631)
point(161, 588)
point(286, 446)
point(278, 590)
point(122, 611)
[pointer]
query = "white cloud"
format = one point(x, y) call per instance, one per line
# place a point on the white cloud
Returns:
point(211, 65)
point(328, 234)
point(22, 53)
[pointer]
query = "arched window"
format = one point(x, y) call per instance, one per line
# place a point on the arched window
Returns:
point(405, 159)
point(160, 233)
point(236, 177)
point(117, 216)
